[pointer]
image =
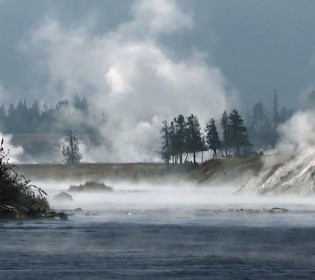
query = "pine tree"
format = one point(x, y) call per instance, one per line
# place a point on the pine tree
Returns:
point(237, 132)
point(172, 142)
point(224, 126)
point(212, 137)
point(179, 137)
point(193, 138)
point(166, 143)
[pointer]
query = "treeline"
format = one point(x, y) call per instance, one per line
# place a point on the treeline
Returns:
point(183, 137)
point(36, 119)
point(263, 122)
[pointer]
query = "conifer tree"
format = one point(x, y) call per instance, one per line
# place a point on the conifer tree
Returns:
point(212, 137)
point(166, 143)
point(237, 132)
point(193, 136)
point(225, 127)
point(179, 137)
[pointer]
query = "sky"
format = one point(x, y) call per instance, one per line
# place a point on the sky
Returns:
point(143, 61)
point(257, 45)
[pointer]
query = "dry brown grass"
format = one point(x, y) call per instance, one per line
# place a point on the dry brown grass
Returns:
point(93, 171)
point(221, 166)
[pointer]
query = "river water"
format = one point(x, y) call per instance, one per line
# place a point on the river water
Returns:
point(164, 232)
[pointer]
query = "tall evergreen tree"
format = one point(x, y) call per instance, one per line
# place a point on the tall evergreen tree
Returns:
point(179, 137)
point(193, 136)
point(212, 137)
point(225, 127)
point(237, 132)
point(166, 143)
point(173, 147)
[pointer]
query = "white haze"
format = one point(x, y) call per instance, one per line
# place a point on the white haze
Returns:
point(14, 152)
point(290, 167)
point(180, 203)
point(129, 75)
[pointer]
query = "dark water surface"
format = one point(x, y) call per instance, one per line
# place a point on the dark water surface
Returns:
point(206, 246)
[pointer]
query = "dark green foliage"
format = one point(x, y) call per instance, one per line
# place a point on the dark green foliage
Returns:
point(212, 137)
point(237, 132)
point(184, 137)
point(18, 199)
point(193, 136)
point(179, 137)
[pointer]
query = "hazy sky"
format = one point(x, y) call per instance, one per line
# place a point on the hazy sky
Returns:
point(257, 45)
point(140, 62)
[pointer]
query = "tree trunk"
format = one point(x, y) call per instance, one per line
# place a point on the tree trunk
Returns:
point(194, 157)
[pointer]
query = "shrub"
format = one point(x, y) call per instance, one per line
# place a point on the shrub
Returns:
point(18, 198)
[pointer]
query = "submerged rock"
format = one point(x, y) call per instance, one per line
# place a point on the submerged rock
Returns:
point(78, 210)
point(61, 215)
point(63, 196)
point(278, 210)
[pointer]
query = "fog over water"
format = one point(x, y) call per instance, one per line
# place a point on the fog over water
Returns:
point(143, 66)
point(163, 232)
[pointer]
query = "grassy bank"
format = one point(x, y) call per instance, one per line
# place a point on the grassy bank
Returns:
point(143, 171)
point(93, 171)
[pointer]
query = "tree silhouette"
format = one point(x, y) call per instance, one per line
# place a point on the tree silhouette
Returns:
point(224, 126)
point(70, 149)
point(193, 136)
point(212, 137)
point(237, 132)
point(166, 143)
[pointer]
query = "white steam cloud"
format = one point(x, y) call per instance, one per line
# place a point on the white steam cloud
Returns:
point(14, 152)
point(297, 137)
point(130, 76)
point(290, 167)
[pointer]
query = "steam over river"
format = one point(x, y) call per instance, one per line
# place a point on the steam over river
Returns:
point(164, 232)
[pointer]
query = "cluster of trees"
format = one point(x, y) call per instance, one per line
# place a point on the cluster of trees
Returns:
point(263, 122)
point(37, 127)
point(183, 137)
point(36, 119)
